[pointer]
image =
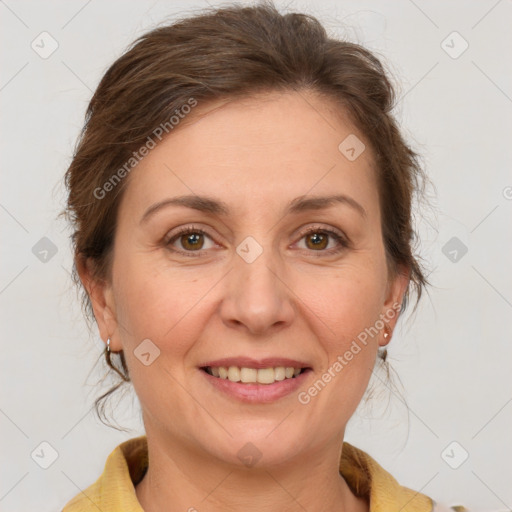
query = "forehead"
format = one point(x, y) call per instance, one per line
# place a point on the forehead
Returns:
point(257, 150)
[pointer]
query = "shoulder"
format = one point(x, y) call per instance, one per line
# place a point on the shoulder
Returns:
point(115, 488)
point(440, 507)
point(368, 479)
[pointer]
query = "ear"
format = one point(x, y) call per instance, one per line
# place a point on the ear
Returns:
point(102, 299)
point(397, 286)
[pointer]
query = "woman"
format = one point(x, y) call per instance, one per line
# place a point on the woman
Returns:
point(241, 198)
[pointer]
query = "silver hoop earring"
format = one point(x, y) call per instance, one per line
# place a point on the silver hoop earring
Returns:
point(108, 345)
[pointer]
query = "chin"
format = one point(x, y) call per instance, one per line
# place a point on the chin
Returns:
point(257, 449)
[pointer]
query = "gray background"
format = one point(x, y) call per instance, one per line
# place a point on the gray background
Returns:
point(453, 357)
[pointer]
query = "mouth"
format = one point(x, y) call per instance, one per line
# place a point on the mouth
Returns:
point(249, 375)
point(263, 385)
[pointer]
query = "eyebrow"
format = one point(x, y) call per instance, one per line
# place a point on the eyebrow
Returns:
point(213, 206)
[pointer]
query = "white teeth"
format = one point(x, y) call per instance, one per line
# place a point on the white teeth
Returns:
point(280, 373)
point(249, 375)
point(253, 375)
point(266, 376)
point(234, 374)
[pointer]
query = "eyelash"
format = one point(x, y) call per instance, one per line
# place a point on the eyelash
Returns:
point(343, 243)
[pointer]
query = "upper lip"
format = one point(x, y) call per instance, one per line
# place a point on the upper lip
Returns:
point(247, 362)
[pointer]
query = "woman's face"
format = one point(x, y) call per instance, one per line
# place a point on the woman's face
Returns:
point(261, 276)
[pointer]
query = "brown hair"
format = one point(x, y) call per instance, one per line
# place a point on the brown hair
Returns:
point(223, 53)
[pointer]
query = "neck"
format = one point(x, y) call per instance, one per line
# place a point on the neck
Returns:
point(180, 479)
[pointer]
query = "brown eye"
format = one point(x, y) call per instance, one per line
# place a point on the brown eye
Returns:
point(318, 240)
point(189, 240)
point(192, 241)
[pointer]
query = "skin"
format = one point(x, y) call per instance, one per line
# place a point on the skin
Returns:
point(295, 300)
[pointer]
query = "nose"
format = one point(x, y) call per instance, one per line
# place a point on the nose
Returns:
point(257, 298)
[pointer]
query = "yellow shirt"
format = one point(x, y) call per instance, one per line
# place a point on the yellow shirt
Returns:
point(114, 491)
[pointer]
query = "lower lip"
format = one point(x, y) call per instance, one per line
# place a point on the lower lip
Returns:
point(257, 393)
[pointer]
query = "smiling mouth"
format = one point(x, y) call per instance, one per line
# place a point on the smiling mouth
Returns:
point(254, 376)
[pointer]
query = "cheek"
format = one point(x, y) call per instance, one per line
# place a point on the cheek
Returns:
point(159, 305)
point(347, 301)
point(165, 309)
point(344, 318)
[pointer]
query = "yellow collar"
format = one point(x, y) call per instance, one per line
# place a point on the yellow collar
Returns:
point(115, 488)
